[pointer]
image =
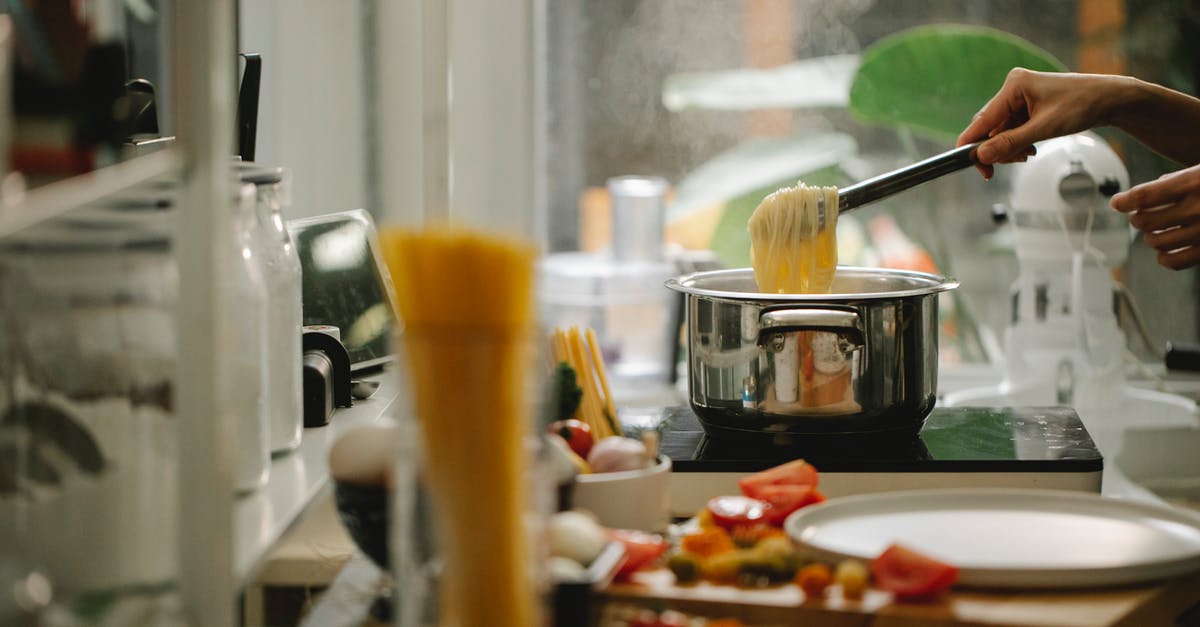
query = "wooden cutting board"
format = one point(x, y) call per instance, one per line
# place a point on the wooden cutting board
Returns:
point(1172, 602)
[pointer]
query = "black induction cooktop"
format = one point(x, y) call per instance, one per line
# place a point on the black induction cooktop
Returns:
point(953, 439)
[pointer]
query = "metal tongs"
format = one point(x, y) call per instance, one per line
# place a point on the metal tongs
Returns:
point(884, 185)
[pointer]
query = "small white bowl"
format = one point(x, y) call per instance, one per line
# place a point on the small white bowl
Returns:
point(629, 499)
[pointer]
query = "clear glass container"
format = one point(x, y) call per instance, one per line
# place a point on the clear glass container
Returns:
point(87, 416)
point(281, 264)
point(248, 369)
point(620, 292)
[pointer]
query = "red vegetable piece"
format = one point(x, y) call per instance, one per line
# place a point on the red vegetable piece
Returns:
point(785, 499)
point(797, 472)
point(735, 511)
point(641, 549)
point(577, 434)
point(912, 576)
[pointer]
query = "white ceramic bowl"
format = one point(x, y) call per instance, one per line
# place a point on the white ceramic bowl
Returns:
point(629, 499)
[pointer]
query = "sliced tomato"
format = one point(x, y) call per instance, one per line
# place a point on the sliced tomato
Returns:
point(641, 549)
point(796, 472)
point(735, 511)
point(910, 575)
point(785, 499)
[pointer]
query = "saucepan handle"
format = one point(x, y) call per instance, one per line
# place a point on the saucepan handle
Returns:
point(843, 321)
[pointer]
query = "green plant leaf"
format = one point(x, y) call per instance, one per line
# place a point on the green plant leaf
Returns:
point(932, 79)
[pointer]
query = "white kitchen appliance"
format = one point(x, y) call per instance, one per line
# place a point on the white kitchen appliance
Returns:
point(1064, 345)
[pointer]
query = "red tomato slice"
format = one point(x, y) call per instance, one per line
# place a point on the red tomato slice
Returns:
point(909, 575)
point(785, 499)
point(797, 472)
point(733, 511)
point(641, 549)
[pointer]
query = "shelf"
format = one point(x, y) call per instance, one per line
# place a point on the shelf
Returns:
point(27, 208)
point(297, 479)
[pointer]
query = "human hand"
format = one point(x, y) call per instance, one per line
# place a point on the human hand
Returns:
point(1167, 211)
point(1032, 106)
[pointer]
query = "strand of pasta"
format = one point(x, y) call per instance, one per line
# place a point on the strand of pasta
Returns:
point(581, 352)
point(610, 410)
point(587, 380)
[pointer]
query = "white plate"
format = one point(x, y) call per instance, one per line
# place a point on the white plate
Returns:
point(1010, 538)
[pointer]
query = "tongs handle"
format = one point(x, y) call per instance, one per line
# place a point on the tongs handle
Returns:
point(884, 185)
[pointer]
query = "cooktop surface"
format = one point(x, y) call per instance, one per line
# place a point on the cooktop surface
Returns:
point(953, 439)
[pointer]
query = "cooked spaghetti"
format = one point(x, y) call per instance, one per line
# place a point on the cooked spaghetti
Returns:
point(466, 300)
point(791, 250)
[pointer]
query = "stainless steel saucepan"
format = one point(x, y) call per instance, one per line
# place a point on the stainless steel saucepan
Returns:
point(859, 360)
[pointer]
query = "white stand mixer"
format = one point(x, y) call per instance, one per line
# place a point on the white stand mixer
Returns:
point(1064, 346)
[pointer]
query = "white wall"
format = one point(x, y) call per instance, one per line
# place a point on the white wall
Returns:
point(457, 88)
point(311, 108)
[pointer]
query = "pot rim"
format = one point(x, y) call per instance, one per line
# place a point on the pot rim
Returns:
point(934, 284)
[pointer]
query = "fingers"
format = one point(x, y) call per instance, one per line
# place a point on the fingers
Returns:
point(1172, 228)
point(1167, 189)
point(1180, 258)
point(1173, 215)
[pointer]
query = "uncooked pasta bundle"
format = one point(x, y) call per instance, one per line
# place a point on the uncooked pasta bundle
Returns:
point(466, 300)
point(792, 250)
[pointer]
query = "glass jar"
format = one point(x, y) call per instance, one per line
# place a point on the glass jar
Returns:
point(89, 354)
point(246, 370)
point(281, 265)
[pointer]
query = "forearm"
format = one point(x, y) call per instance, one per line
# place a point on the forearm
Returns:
point(1165, 120)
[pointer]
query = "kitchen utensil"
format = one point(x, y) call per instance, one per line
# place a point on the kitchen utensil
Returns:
point(889, 183)
point(1010, 538)
point(247, 111)
point(872, 341)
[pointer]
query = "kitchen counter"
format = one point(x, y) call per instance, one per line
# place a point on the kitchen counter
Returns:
point(1173, 602)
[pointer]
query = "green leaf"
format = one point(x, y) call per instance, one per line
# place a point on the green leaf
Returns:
point(932, 79)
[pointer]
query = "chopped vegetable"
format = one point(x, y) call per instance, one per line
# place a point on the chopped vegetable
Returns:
point(641, 549)
point(797, 472)
point(814, 579)
point(785, 499)
point(853, 577)
point(731, 511)
point(912, 576)
point(747, 536)
point(725, 567)
point(707, 542)
point(685, 565)
point(775, 545)
point(763, 569)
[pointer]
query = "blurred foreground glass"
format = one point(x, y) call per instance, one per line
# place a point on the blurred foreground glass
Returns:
point(466, 302)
